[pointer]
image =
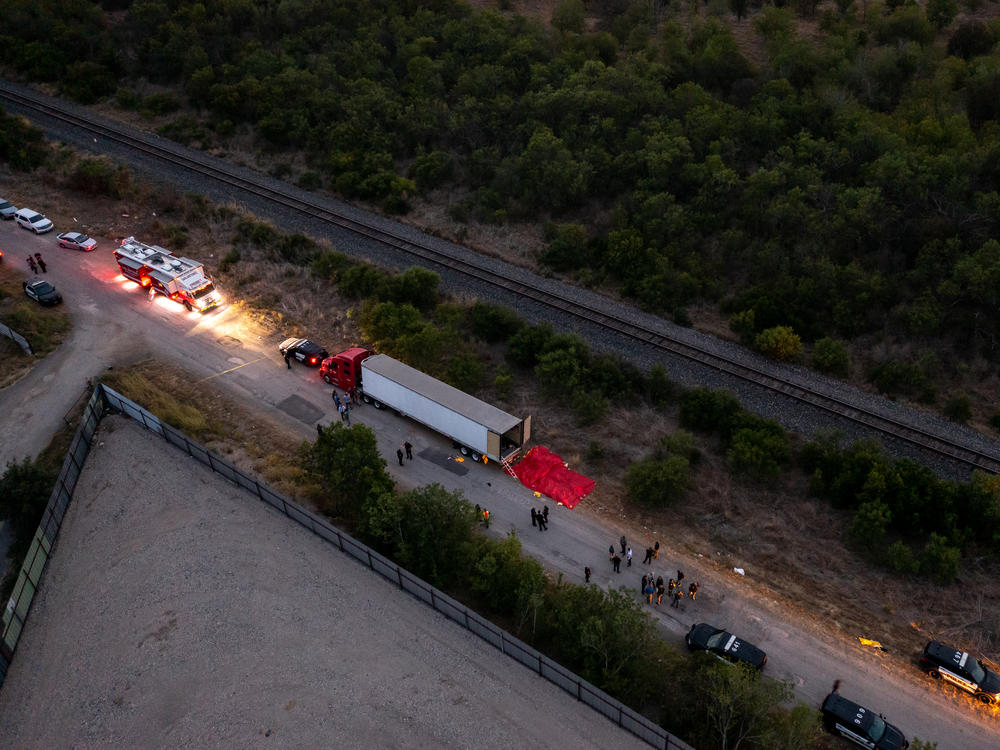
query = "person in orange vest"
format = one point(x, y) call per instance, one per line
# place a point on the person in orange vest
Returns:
point(486, 518)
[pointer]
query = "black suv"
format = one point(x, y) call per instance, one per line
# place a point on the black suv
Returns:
point(859, 725)
point(947, 663)
point(724, 645)
point(304, 350)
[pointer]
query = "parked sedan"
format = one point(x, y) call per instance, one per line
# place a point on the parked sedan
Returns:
point(42, 292)
point(724, 645)
point(304, 350)
point(77, 241)
point(7, 209)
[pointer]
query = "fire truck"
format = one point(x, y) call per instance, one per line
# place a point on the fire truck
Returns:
point(161, 272)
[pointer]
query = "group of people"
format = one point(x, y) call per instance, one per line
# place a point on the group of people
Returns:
point(483, 515)
point(649, 588)
point(36, 262)
point(673, 589)
point(344, 409)
point(409, 453)
point(540, 520)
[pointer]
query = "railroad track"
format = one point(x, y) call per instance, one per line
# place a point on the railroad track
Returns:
point(546, 298)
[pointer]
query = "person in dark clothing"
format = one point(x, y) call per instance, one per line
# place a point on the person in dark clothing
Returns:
point(659, 593)
point(288, 360)
point(693, 590)
point(680, 577)
point(409, 450)
point(617, 562)
point(622, 540)
point(586, 574)
point(534, 517)
point(645, 580)
point(671, 586)
point(648, 592)
point(836, 686)
point(649, 556)
point(542, 523)
point(336, 400)
point(41, 263)
point(656, 551)
point(545, 514)
point(31, 264)
point(611, 553)
point(659, 580)
point(677, 598)
point(399, 455)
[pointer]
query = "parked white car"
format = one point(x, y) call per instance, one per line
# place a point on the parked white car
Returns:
point(7, 209)
point(32, 220)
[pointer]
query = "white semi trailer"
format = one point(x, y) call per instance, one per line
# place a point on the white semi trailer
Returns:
point(476, 428)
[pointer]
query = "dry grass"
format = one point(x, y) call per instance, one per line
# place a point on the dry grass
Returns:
point(44, 327)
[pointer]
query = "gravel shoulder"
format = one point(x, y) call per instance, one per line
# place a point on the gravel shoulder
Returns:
point(180, 612)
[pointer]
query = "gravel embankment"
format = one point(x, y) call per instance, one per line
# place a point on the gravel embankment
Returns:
point(792, 414)
point(179, 611)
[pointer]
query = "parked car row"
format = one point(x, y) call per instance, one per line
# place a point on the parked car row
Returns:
point(843, 717)
point(28, 218)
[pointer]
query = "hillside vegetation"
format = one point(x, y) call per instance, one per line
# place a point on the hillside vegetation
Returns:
point(841, 187)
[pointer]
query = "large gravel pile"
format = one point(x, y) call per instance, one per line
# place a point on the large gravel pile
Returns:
point(180, 612)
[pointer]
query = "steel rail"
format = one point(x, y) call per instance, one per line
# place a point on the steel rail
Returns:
point(565, 304)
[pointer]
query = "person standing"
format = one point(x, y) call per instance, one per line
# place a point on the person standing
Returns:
point(399, 455)
point(659, 593)
point(347, 414)
point(534, 517)
point(670, 587)
point(545, 515)
point(648, 559)
point(287, 355)
point(617, 563)
point(659, 580)
point(31, 264)
point(408, 447)
point(611, 553)
point(336, 400)
point(343, 418)
point(677, 597)
point(41, 263)
point(680, 577)
point(656, 551)
point(628, 557)
point(586, 574)
point(622, 540)
point(542, 522)
point(645, 580)
point(648, 591)
point(693, 590)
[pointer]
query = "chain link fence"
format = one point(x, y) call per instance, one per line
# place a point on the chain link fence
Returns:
point(16, 338)
point(104, 398)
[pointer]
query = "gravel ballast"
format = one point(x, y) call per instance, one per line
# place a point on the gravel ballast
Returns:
point(179, 611)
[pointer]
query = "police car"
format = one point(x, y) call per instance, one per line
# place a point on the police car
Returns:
point(859, 725)
point(947, 663)
point(724, 645)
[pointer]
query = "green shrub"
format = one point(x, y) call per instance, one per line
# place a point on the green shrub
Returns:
point(869, 525)
point(589, 407)
point(660, 388)
point(502, 384)
point(595, 452)
point(528, 344)
point(561, 372)
point(415, 286)
point(329, 265)
point(780, 343)
point(958, 409)
point(159, 104)
point(229, 260)
point(831, 356)
point(568, 247)
point(465, 372)
point(99, 176)
point(758, 453)
point(657, 482)
point(361, 281)
point(347, 464)
point(432, 169)
point(709, 411)
point(900, 558)
point(297, 249)
point(493, 323)
point(742, 324)
point(939, 560)
point(310, 180)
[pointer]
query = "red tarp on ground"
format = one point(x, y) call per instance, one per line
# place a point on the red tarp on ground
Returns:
point(543, 471)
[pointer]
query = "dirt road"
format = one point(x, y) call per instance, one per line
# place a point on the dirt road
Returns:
point(115, 324)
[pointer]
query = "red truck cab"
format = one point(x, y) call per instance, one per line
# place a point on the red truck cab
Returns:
point(344, 370)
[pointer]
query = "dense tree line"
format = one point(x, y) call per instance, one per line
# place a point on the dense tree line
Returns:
point(838, 185)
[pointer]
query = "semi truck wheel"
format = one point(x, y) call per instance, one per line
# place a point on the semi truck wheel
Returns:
point(463, 450)
point(377, 403)
point(327, 379)
point(476, 457)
